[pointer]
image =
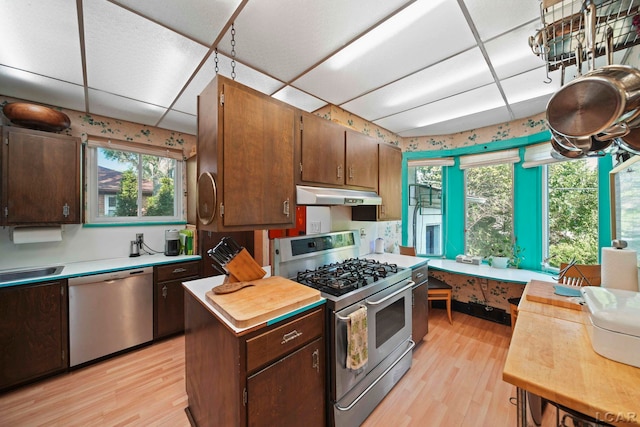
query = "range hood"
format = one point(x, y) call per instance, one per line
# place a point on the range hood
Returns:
point(335, 196)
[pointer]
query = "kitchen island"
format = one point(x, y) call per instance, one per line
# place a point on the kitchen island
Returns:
point(551, 356)
point(268, 373)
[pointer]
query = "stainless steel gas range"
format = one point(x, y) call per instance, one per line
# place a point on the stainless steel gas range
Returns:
point(331, 263)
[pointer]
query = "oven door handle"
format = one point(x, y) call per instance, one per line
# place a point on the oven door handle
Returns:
point(388, 297)
point(412, 344)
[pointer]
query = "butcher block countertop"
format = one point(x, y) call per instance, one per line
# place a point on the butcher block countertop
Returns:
point(551, 355)
point(272, 299)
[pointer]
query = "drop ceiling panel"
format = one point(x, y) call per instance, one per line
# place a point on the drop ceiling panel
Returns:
point(202, 20)
point(495, 17)
point(375, 60)
point(465, 104)
point(133, 57)
point(460, 124)
point(41, 90)
point(188, 100)
point(41, 37)
point(118, 107)
point(510, 53)
point(458, 74)
point(181, 122)
point(530, 107)
point(299, 99)
point(530, 85)
point(283, 38)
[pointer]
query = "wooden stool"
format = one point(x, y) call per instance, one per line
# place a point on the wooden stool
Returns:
point(439, 291)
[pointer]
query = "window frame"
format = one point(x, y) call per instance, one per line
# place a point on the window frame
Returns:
point(93, 217)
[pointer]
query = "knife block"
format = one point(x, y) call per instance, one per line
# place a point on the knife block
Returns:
point(243, 268)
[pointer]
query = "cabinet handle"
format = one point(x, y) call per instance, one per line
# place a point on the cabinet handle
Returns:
point(316, 360)
point(65, 210)
point(419, 275)
point(164, 291)
point(290, 336)
point(351, 172)
point(179, 270)
point(339, 171)
point(285, 207)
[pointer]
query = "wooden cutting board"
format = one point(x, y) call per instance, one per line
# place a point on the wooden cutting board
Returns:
point(543, 292)
point(267, 299)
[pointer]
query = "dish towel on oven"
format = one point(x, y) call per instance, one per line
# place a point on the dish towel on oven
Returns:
point(357, 345)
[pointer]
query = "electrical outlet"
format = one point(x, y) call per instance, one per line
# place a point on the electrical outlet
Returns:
point(315, 226)
point(140, 239)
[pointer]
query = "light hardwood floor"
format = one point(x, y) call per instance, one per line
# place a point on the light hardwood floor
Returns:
point(455, 380)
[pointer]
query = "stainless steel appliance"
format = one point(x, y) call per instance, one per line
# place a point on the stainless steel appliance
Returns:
point(171, 242)
point(109, 312)
point(330, 263)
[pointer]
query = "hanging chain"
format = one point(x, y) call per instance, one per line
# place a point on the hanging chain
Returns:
point(233, 51)
point(215, 59)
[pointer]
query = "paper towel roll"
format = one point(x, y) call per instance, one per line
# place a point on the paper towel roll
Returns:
point(37, 234)
point(619, 269)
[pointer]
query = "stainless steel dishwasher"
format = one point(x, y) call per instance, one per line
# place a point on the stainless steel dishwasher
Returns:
point(109, 312)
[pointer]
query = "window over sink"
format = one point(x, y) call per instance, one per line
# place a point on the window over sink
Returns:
point(132, 183)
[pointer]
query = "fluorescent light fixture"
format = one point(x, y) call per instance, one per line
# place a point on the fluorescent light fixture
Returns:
point(382, 33)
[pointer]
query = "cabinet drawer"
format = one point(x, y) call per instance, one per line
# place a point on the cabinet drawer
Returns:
point(177, 271)
point(420, 274)
point(284, 339)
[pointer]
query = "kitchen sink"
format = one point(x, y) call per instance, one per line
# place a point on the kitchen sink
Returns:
point(29, 273)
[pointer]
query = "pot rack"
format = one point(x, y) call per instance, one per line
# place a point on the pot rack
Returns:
point(565, 35)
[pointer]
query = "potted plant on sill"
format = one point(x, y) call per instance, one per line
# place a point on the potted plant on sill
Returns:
point(501, 252)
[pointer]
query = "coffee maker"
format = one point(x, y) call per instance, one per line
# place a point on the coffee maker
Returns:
point(171, 242)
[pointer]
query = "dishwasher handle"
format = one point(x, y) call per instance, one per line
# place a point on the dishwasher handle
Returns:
point(109, 277)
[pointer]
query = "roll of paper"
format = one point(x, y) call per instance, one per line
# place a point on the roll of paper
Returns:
point(619, 269)
point(23, 235)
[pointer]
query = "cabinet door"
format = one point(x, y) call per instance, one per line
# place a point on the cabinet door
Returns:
point(361, 161)
point(322, 151)
point(289, 392)
point(169, 309)
point(33, 332)
point(390, 182)
point(42, 178)
point(258, 186)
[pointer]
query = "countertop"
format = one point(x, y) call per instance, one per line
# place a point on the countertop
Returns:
point(551, 355)
point(85, 268)
point(514, 275)
point(405, 261)
point(198, 289)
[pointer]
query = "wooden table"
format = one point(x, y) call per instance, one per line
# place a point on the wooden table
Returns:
point(551, 356)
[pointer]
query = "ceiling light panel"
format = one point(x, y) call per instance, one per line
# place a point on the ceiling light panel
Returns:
point(188, 101)
point(530, 107)
point(130, 56)
point(461, 73)
point(180, 122)
point(529, 85)
point(40, 89)
point(485, 98)
point(461, 124)
point(41, 37)
point(420, 35)
point(299, 99)
point(118, 107)
point(510, 53)
point(201, 20)
point(284, 38)
point(495, 17)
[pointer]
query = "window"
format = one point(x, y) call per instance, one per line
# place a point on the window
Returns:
point(425, 205)
point(133, 184)
point(572, 212)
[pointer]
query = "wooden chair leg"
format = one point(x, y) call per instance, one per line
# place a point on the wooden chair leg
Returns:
point(449, 310)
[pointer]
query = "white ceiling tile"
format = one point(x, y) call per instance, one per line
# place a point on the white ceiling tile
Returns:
point(188, 101)
point(133, 57)
point(283, 38)
point(202, 20)
point(414, 45)
point(299, 99)
point(510, 53)
point(461, 124)
point(458, 106)
point(461, 73)
point(495, 17)
point(530, 107)
point(530, 85)
point(39, 89)
point(41, 37)
point(118, 107)
point(181, 122)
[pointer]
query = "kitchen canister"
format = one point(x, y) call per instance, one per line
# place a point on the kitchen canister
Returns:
point(619, 267)
point(379, 245)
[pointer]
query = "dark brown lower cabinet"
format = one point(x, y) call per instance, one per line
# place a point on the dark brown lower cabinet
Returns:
point(270, 376)
point(33, 332)
point(168, 296)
